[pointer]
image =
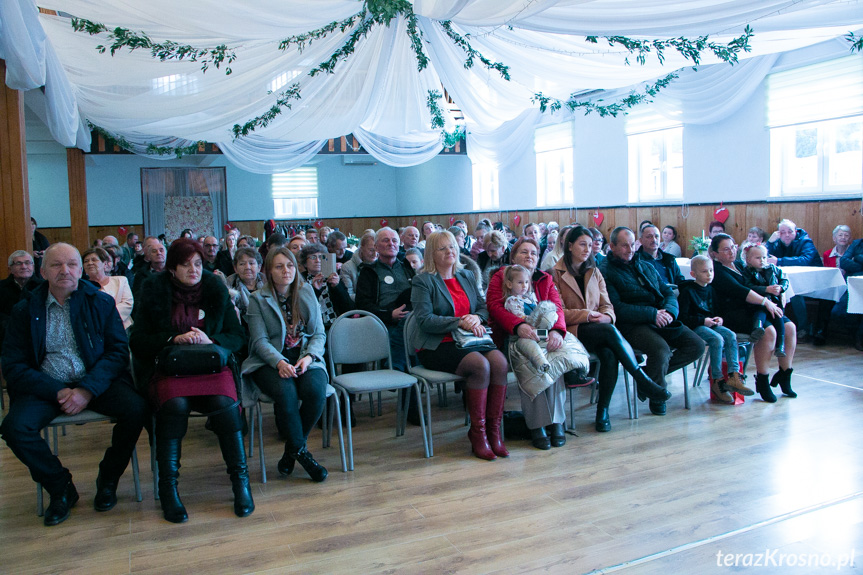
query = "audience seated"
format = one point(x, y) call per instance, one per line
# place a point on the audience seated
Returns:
point(494, 255)
point(414, 257)
point(733, 296)
point(646, 310)
point(246, 279)
point(337, 244)
point(332, 295)
point(755, 236)
point(312, 236)
point(555, 251)
point(153, 263)
point(66, 351)
point(665, 264)
point(323, 234)
point(225, 257)
point(40, 244)
point(715, 227)
point(286, 357)
point(365, 253)
point(96, 263)
point(127, 253)
point(437, 317)
point(21, 279)
point(428, 229)
point(841, 241)
point(410, 239)
point(478, 245)
point(460, 236)
point(187, 305)
point(669, 243)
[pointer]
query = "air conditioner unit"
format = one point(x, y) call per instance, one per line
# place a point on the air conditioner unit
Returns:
point(359, 160)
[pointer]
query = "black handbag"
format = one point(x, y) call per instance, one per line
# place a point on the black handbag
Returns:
point(194, 359)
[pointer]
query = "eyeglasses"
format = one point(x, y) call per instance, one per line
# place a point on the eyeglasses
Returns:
point(316, 257)
point(211, 245)
point(27, 264)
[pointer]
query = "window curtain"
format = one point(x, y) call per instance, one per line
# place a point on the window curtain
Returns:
point(158, 184)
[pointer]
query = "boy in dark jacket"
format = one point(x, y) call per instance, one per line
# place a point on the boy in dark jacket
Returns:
point(698, 312)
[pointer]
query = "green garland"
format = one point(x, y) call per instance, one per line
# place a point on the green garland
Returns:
point(460, 41)
point(689, 49)
point(547, 103)
point(438, 122)
point(152, 149)
point(856, 42)
point(283, 102)
point(125, 38)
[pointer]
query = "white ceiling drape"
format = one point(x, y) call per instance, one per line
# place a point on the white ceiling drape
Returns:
point(377, 93)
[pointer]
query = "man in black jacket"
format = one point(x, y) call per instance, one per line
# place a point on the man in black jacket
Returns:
point(646, 310)
point(21, 279)
point(66, 352)
point(650, 252)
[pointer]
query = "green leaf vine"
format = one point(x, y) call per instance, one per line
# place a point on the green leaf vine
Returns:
point(689, 49)
point(473, 54)
point(552, 105)
point(283, 102)
point(856, 42)
point(152, 149)
point(125, 38)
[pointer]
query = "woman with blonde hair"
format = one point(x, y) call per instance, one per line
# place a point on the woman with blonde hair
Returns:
point(445, 298)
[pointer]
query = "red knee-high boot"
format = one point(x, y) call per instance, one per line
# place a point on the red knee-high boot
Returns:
point(494, 415)
point(476, 407)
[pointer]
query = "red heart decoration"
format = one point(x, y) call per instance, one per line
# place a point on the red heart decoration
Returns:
point(414, 222)
point(598, 218)
point(319, 224)
point(228, 227)
point(451, 221)
point(721, 214)
point(121, 230)
point(516, 219)
point(384, 223)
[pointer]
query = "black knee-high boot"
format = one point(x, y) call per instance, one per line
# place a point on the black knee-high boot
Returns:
point(235, 459)
point(168, 455)
point(646, 387)
point(605, 391)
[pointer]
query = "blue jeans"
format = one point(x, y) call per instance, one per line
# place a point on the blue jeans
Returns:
point(718, 339)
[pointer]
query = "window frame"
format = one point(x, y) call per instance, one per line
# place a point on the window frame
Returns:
point(295, 191)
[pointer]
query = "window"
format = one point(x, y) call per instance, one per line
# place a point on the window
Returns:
point(656, 165)
point(553, 147)
point(485, 186)
point(295, 193)
point(815, 116)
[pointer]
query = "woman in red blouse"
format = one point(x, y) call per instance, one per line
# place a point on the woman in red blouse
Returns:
point(446, 297)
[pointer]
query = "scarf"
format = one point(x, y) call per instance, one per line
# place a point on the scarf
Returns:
point(186, 305)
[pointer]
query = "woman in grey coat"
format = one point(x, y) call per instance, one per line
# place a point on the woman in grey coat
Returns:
point(286, 350)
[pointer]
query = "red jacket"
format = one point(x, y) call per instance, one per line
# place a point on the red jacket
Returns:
point(830, 262)
point(504, 323)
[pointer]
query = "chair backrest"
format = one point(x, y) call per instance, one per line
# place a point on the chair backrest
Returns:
point(358, 340)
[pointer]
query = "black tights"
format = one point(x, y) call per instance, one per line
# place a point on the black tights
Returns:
point(604, 340)
point(483, 369)
point(172, 419)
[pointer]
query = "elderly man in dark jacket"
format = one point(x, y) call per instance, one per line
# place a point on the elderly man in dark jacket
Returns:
point(21, 279)
point(792, 246)
point(646, 310)
point(67, 351)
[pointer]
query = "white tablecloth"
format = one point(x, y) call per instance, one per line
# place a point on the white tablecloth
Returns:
point(855, 294)
point(817, 282)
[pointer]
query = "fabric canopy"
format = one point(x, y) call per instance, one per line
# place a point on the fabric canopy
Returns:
point(377, 93)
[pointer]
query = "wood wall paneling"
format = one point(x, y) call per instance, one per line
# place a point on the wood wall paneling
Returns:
point(78, 198)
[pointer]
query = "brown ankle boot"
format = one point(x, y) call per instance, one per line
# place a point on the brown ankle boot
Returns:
point(719, 393)
point(736, 384)
point(477, 400)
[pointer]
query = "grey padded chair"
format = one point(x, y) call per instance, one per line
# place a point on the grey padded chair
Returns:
point(365, 339)
point(429, 377)
point(253, 400)
point(82, 418)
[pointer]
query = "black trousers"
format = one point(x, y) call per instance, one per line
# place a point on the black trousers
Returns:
point(172, 419)
point(607, 343)
point(28, 415)
point(658, 345)
point(294, 421)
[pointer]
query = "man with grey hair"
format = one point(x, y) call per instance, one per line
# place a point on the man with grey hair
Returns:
point(21, 279)
point(154, 262)
point(792, 246)
point(665, 264)
point(66, 352)
point(410, 239)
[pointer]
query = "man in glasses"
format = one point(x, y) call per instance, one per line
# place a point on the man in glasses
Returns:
point(21, 279)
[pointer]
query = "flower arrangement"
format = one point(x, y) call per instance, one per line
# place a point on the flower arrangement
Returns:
point(353, 241)
point(700, 244)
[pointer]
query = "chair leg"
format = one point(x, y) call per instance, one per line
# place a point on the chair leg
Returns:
point(40, 504)
point(345, 397)
point(570, 422)
point(422, 420)
point(259, 412)
point(685, 389)
point(136, 476)
point(337, 409)
point(427, 419)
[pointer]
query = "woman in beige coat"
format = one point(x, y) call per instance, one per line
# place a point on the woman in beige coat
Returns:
point(589, 316)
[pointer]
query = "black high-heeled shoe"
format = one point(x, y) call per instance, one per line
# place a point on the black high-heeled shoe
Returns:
point(539, 439)
point(557, 437)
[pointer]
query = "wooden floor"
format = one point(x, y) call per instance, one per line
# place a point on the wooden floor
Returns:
point(656, 495)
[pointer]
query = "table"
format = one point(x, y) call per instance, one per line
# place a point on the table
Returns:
point(817, 282)
point(855, 294)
